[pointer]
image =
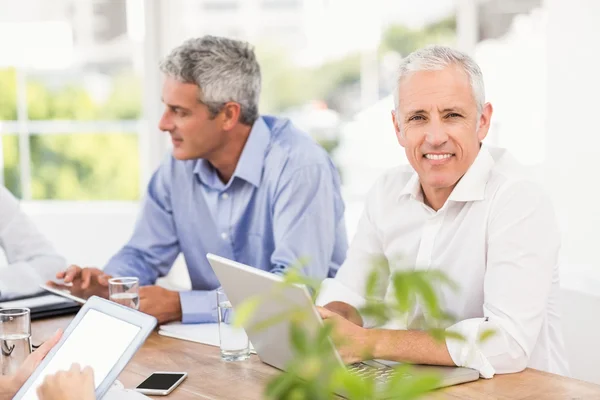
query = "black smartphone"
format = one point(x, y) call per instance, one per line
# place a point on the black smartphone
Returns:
point(161, 383)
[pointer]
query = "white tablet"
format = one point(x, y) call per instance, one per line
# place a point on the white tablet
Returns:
point(67, 291)
point(103, 335)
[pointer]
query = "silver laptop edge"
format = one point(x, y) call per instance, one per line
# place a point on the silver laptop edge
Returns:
point(242, 282)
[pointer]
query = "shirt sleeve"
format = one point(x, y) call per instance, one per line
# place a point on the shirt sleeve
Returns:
point(522, 256)
point(31, 258)
point(349, 284)
point(154, 245)
point(198, 306)
point(307, 213)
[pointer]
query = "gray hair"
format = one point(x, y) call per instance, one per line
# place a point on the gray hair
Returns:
point(434, 58)
point(224, 69)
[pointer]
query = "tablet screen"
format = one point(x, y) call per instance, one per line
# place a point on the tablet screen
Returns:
point(74, 291)
point(99, 340)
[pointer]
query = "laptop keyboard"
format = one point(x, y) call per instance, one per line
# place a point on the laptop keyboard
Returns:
point(369, 372)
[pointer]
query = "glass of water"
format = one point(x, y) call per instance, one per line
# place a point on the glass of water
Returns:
point(15, 338)
point(125, 291)
point(233, 340)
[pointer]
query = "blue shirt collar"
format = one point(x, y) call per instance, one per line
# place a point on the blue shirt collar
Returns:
point(251, 162)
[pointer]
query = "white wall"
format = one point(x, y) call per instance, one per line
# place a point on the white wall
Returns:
point(573, 137)
point(85, 233)
point(571, 169)
point(581, 330)
point(89, 233)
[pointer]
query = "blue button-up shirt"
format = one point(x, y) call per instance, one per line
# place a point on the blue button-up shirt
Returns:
point(282, 204)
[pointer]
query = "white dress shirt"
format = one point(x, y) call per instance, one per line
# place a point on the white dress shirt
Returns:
point(31, 258)
point(496, 237)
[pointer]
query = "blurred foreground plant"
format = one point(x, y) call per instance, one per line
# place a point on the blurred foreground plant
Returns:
point(316, 373)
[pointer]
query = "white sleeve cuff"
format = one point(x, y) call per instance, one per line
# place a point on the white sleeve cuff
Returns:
point(467, 353)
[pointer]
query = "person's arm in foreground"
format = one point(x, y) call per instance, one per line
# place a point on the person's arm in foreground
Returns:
point(74, 384)
point(10, 385)
point(31, 258)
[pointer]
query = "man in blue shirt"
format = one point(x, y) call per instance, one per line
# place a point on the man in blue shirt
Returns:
point(247, 187)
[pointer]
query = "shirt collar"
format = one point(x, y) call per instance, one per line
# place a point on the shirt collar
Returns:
point(412, 188)
point(251, 162)
point(471, 186)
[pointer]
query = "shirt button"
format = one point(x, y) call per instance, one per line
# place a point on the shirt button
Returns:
point(224, 236)
point(225, 196)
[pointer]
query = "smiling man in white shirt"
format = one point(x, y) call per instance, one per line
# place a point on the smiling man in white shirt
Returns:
point(466, 209)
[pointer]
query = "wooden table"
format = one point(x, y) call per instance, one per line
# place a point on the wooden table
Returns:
point(211, 378)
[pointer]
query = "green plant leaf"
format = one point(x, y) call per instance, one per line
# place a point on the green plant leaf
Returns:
point(371, 286)
point(298, 338)
point(427, 294)
point(449, 334)
point(245, 311)
point(441, 279)
point(279, 386)
point(355, 387)
point(401, 387)
point(486, 335)
point(402, 293)
point(293, 313)
point(324, 334)
point(376, 310)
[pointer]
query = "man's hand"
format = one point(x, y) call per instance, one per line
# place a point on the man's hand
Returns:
point(345, 310)
point(12, 384)
point(74, 384)
point(85, 282)
point(352, 341)
point(163, 304)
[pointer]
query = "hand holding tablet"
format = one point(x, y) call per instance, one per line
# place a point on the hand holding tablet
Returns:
point(103, 336)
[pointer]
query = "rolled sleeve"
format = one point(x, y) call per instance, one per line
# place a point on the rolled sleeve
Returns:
point(523, 246)
point(500, 353)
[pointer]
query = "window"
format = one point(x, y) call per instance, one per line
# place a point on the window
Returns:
point(70, 108)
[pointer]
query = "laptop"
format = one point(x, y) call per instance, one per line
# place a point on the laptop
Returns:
point(242, 282)
point(42, 305)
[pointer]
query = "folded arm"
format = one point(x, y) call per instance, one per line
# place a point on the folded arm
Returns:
point(31, 258)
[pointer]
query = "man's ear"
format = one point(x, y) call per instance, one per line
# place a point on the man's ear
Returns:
point(231, 113)
point(484, 121)
point(399, 134)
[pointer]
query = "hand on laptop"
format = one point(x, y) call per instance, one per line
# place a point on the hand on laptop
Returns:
point(161, 303)
point(74, 384)
point(11, 384)
point(85, 282)
point(345, 310)
point(352, 341)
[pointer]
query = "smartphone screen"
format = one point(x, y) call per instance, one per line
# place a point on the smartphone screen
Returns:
point(160, 381)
